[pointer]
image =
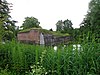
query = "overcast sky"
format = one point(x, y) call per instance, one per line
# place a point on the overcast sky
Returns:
point(48, 12)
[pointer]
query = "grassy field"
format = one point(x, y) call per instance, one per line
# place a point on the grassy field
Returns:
point(24, 59)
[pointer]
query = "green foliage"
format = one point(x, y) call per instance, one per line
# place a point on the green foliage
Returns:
point(75, 34)
point(6, 24)
point(19, 57)
point(68, 26)
point(64, 26)
point(38, 69)
point(55, 33)
point(92, 20)
point(30, 22)
point(27, 59)
point(4, 72)
point(59, 25)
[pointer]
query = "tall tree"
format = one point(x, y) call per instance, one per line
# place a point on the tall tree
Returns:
point(7, 26)
point(92, 20)
point(30, 22)
point(64, 26)
point(68, 26)
point(59, 25)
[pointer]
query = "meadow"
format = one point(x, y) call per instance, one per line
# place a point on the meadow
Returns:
point(24, 59)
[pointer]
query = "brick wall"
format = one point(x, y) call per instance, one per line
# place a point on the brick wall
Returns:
point(31, 36)
point(23, 36)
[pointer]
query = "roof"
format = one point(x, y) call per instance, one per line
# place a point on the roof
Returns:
point(55, 33)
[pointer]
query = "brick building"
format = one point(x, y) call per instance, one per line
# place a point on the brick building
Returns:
point(42, 36)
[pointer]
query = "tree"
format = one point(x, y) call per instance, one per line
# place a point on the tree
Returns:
point(30, 22)
point(7, 26)
point(59, 25)
point(64, 26)
point(68, 26)
point(92, 20)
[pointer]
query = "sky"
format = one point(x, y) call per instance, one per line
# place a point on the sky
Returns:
point(48, 12)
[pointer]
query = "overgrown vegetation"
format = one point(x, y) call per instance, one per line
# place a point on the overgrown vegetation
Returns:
point(55, 33)
point(22, 59)
point(8, 30)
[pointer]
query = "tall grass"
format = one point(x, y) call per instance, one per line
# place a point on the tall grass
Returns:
point(69, 62)
point(18, 58)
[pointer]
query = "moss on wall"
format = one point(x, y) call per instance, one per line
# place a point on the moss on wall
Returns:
point(55, 33)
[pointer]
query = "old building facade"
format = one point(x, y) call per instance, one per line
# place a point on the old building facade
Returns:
point(35, 36)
